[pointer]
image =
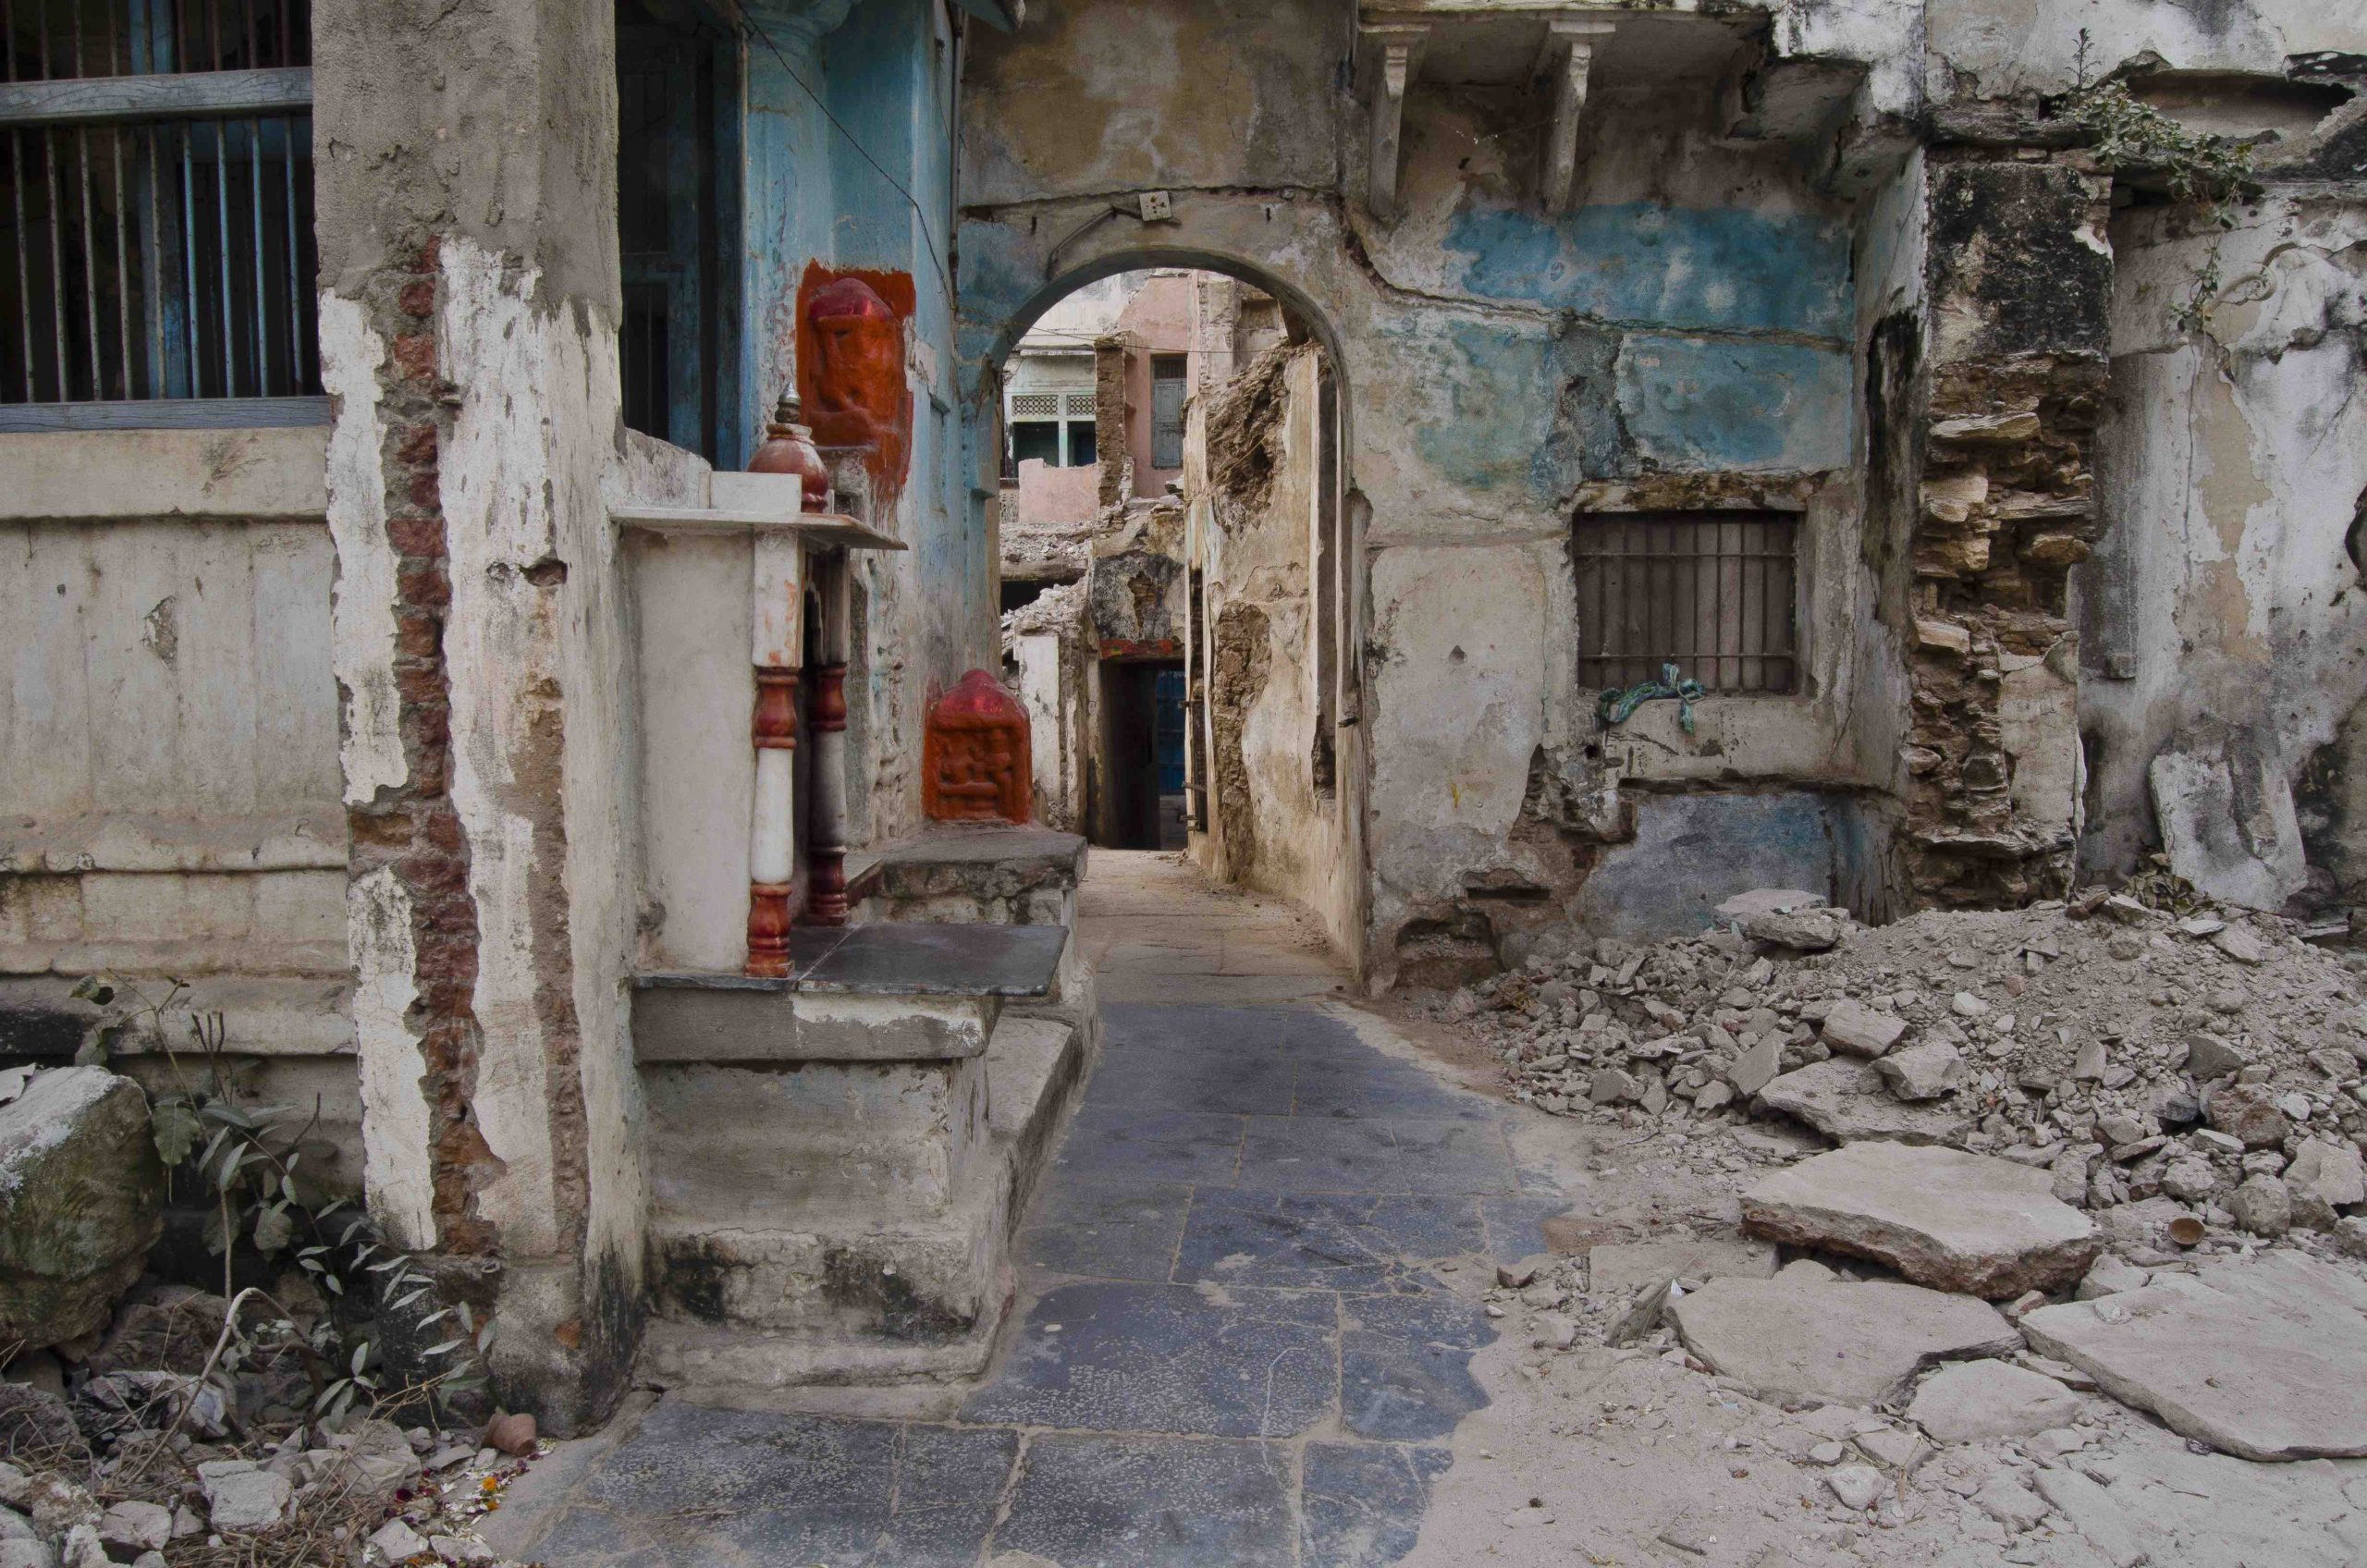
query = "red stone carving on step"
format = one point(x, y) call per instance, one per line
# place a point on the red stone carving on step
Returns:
point(975, 754)
point(851, 369)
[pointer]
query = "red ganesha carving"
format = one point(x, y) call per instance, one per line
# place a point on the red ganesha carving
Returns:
point(974, 763)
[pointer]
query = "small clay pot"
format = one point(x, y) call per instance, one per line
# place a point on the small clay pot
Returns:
point(2186, 1230)
point(512, 1434)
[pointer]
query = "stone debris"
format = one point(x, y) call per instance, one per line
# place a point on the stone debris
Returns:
point(1848, 1101)
point(1621, 1269)
point(1972, 1401)
point(2131, 1053)
point(81, 1201)
point(1795, 1341)
point(2262, 1357)
point(1942, 1217)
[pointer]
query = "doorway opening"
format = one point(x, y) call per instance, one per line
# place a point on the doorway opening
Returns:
point(1139, 756)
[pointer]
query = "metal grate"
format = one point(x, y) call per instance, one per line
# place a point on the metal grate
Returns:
point(1713, 594)
point(1024, 405)
point(1080, 403)
point(156, 230)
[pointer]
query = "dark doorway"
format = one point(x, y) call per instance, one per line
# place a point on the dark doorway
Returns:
point(1141, 761)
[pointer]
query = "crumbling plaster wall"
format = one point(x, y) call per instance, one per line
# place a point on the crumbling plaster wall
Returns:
point(2228, 585)
point(1271, 826)
point(884, 72)
point(469, 306)
point(2002, 48)
point(168, 761)
point(1693, 315)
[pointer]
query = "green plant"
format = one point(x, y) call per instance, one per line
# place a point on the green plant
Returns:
point(2214, 172)
point(246, 1170)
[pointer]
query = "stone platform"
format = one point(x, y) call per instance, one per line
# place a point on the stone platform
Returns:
point(835, 1158)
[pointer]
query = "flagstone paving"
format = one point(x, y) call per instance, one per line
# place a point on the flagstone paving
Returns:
point(1238, 1343)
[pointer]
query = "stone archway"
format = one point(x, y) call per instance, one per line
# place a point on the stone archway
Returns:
point(1322, 863)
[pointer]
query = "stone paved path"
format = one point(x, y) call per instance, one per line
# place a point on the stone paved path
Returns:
point(1238, 1344)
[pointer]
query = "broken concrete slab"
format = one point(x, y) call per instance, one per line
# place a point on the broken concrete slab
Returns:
point(1757, 1067)
point(2264, 1357)
point(1797, 1342)
point(1848, 1101)
point(1744, 907)
point(1618, 1269)
point(1953, 1220)
point(1923, 1072)
point(2330, 1172)
point(1973, 1401)
point(2225, 809)
point(1855, 1029)
point(1799, 931)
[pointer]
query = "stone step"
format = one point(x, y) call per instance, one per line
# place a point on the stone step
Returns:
point(770, 1296)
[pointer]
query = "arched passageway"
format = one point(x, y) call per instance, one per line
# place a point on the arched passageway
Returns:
point(1179, 563)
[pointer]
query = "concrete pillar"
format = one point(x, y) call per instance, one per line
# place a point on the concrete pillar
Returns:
point(2018, 278)
point(469, 307)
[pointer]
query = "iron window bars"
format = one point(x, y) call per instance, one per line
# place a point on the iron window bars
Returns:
point(158, 213)
point(1712, 594)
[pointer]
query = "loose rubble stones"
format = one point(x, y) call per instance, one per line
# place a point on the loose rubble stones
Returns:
point(81, 1201)
point(1847, 1102)
point(1803, 1341)
point(2264, 1357)
point(1973, 1401)
point(1953, 1220)
point(1855, 1029)
point(1616, 1270)
point(1921, 1072)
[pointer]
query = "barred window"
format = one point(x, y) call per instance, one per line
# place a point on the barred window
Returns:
point(1712, 594)
point(156, 230)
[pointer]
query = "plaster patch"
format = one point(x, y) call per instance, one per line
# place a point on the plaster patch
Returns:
point(394, 1098)
point(362, 613)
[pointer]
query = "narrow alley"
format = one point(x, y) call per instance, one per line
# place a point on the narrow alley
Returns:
point(1248, 1305)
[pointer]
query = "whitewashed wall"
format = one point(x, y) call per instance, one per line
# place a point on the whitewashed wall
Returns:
point(169, 788)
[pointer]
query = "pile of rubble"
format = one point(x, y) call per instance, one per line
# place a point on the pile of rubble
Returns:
point(143, 1448)
point(1935, 1338)
point(2201, 1073)
point(140, 1424)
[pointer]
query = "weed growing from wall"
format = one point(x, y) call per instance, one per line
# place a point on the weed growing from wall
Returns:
point(2212, 172)
point(241, 1158)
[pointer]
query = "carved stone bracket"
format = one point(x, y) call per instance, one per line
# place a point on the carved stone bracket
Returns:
point(1388, 56)
point(1565, 59)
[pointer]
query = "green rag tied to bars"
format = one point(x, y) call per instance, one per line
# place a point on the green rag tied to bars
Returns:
point(1616, 706)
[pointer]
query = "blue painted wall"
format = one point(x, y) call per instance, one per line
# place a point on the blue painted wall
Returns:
point(1693, 852)
point(1638, 262)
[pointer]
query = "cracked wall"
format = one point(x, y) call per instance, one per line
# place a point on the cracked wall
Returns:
point(1693, 315)
point(2229, 587)
point(489, 907)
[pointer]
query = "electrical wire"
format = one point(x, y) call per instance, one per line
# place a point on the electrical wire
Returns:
point(944, 276)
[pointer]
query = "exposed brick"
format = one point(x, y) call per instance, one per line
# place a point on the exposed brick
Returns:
point(414, 355)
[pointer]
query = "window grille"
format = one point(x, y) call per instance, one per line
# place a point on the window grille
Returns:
point(156, 233)
point(1034, 405)
point(1080, 403)
point(1712, 594)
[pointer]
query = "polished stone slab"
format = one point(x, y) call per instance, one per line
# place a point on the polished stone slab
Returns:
point(1128, 1358)
point(1405, 1364)
point(931, 960)
point(1106, 1229)
point(1333, 1242)
point(1151, 1503)
point(1361, 1504)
